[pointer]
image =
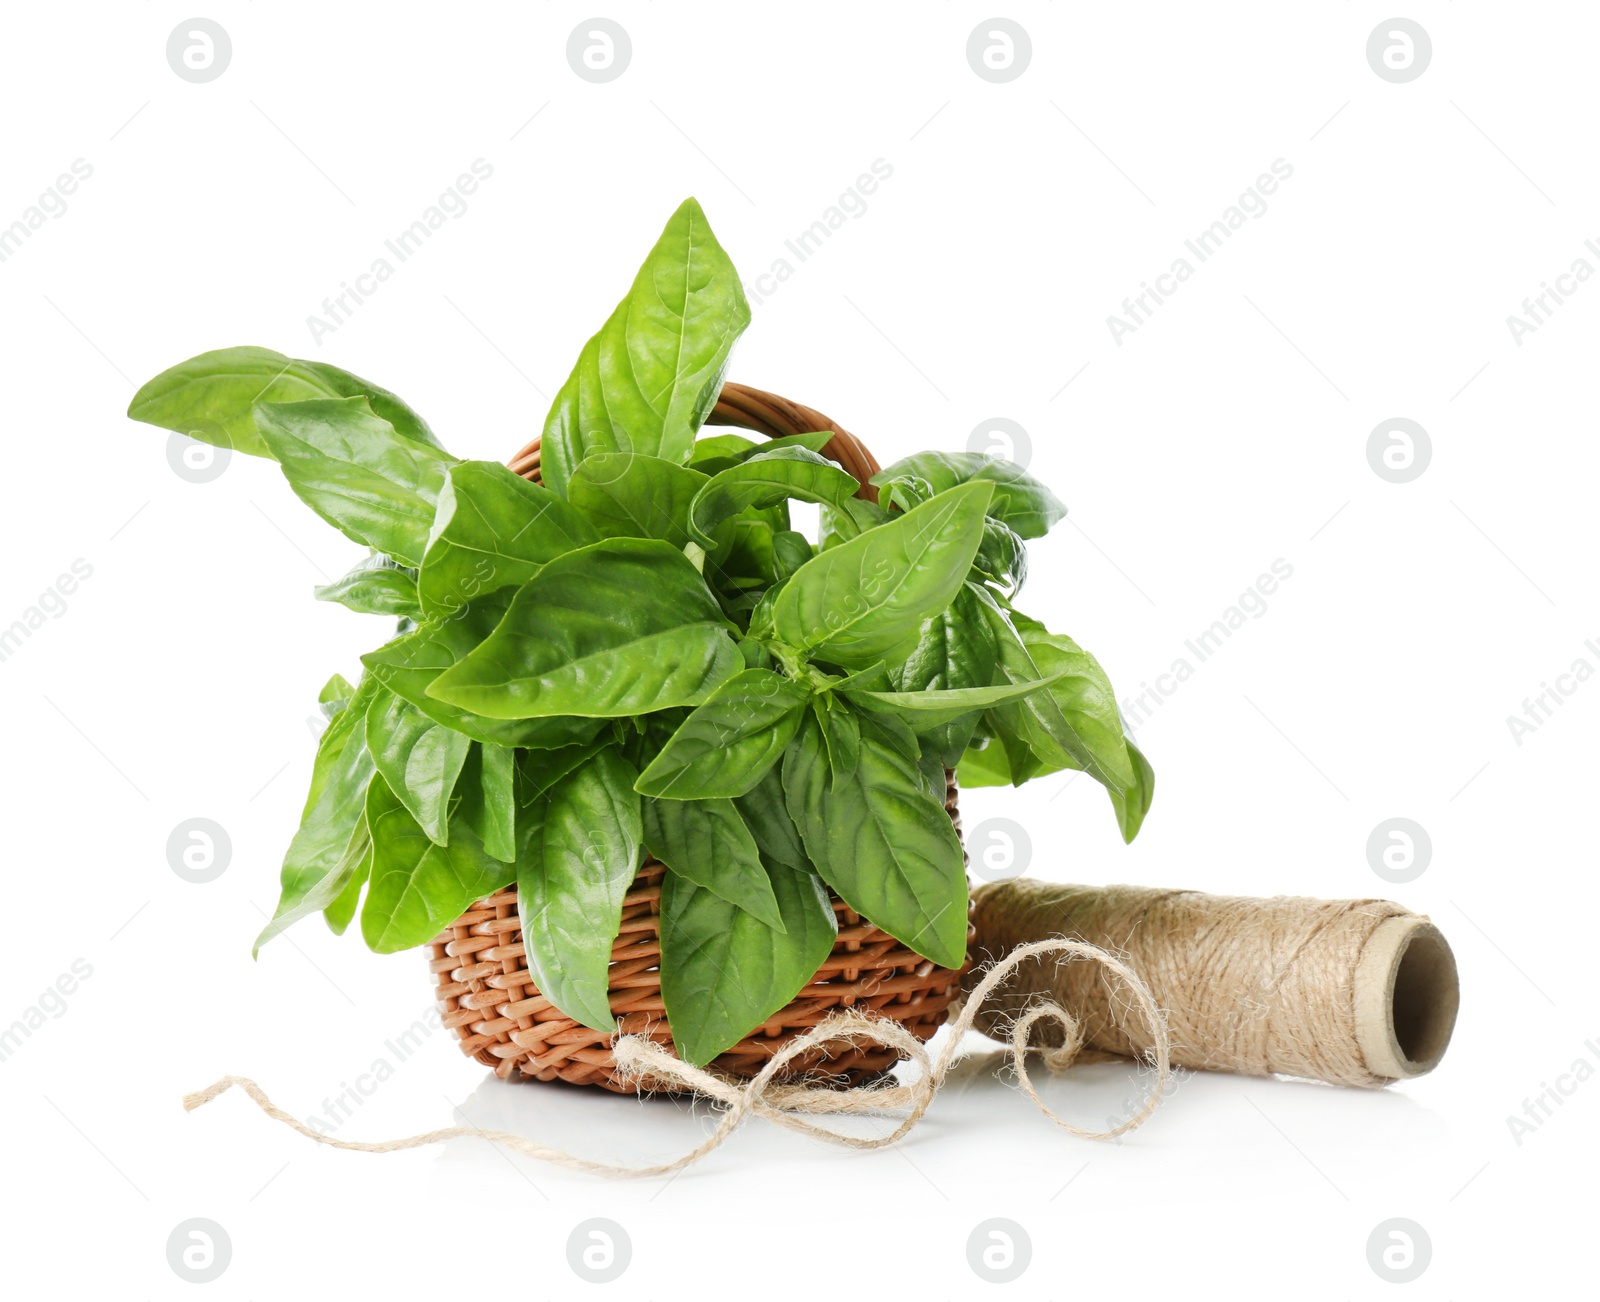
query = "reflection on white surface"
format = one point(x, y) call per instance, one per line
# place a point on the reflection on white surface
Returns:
point(979, 1108)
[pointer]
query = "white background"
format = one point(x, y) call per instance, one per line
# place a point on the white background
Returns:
point(1229, 431)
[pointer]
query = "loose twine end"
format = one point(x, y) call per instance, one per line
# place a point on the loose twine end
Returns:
point(645, 1062)
point(201, 1097)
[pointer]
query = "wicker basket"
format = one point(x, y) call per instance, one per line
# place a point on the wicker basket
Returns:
point(488, 996)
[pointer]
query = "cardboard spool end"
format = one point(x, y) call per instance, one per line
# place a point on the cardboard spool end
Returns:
point(1407, 995)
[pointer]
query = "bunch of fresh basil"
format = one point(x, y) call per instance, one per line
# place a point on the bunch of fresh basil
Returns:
point(642, 655)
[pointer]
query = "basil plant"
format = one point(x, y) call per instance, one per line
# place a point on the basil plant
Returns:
point(641, 655)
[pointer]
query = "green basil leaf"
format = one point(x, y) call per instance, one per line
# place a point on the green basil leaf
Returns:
point(616, 629)
point(728, 743)
point(934, 776)
point(766, 814)
point(955, 649)
point(811, 441)
point(928, 709)
point(578, 851)
point(865, 599)
point(874, 678)
point(409, 664)
point(765, 480)
point(738, 598)
point(985, 767)
point(629, 495)
point(706, 842)
point(897, 735)
point(741, 568)
point(1133, 803)
point(335, 695)
point(493, 529)
point(359, 852)
point(318, 864)
point(882, 842)
point(487, 798)
point(352, 468)
point(418, 888)
point(1029, 752)
point(212, 397)
point(646, 382)
point(719, 451)
point(841, 737)
point(755, 655)
point(419, 759)
point(760, 625)
point(1075, 723)
point(790, 550)
point(839, 524)
point(724, 972)
point(1002, 557)
point(376, 586)
point(1085, 697)
point(539, 770)
point(1019, 499)
point(905, 494)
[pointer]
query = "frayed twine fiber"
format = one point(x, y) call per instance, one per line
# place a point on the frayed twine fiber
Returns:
point(766, 1096)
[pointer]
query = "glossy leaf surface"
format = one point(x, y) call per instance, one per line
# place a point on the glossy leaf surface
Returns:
point(646, 382)
point(619, 628)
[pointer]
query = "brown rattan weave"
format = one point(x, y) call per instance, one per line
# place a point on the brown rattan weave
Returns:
point(764, 413)
point(488, 996)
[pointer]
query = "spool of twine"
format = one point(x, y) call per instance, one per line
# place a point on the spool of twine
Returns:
point(1353, 992)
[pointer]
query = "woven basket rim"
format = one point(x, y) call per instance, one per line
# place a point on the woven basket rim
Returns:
point(744, 407)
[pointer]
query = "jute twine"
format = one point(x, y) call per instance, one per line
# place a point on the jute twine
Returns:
point(766, 1095)
point(1255, 986)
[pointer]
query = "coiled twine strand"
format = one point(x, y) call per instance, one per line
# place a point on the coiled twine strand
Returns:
point(766, 1095)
